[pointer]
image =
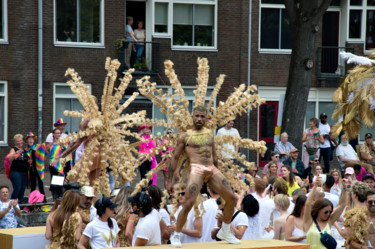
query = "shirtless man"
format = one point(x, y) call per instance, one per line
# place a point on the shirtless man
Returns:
point(199, 147)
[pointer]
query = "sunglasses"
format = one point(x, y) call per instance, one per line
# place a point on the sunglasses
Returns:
point(328, 212)
point(181, 193)
point(371, 203)
point(316, 160)
point(276, 156)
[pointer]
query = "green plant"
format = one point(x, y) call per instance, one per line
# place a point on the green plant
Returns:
point(142, 64)
point(120, 43)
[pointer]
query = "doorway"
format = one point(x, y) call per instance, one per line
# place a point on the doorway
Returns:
point(330, 42)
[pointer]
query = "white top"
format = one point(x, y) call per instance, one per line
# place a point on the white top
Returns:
point(325, 129)
point(148, 228)
point(266, 206)
point(188, 225)
point(336, 190)
point(101, 236)
point(140, 35)
point(225, 132)
point(347, 152)
point(165, 216)
point(297, 233)
point(208, 219)
point(254, 230)
point(49, 138)
point(240, 220)
point(9, 220)
point(156, 214)
point(93, 213)
point(79, 152)
point(333, 198)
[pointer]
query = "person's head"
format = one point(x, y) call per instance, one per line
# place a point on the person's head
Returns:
point(296, 193)
point(56, 133)
point(68, 206)
point(250, 205)
point(322, 209)
point(313, 160)
point(272, 168)
point(60, 124)
point(280, 186)
point(284, 137)
point(4, 193)
point(370, 199)
point(368, 139)
point(211, 191)
point(141, 203)
point(293, 154)
point(129, 20)
point(87, 195)
point(260, 185)
point(317, 170)
point(357, 169)
point(275, 156)
point(252, 170)
point(105, 207)
point(155, 194)
point(18, 140)
point(220, 203)
point(30, 139)
point(140, 24)
point(299, 208)
point(349, 173)
point(359, 190)
point(199, 117)
point(369, 179)
point(122, 200)
point(329, 182)
point(230, 124)
point(323, 118)
point(314, 122)
point(344, 140)
point(281, 202)
point(336, 175)
point(145, 129)
point(181, 197)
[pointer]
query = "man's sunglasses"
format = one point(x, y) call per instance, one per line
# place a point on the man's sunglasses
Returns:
point(371, 203)
point(181, 193)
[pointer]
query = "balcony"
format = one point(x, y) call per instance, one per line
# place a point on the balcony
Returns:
point(147, 64)
point(330, 67)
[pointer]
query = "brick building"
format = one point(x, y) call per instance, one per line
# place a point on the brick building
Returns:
point(80, 34)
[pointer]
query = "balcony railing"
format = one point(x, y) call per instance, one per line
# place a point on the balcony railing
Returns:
point(147, 63)
point(329, 64)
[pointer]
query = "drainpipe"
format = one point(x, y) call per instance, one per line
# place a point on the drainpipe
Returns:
point(248, 76)
point(40, 69)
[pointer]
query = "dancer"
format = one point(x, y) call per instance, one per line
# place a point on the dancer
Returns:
point(145, 148)
point(198, 144)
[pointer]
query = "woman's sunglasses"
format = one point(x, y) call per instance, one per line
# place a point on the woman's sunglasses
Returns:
point(328, 211)
point(181, 193)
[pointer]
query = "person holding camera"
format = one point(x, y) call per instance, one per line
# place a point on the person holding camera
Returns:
point(102, 232)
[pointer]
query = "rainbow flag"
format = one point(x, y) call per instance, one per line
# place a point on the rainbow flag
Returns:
point(40, 155)
point(56, 151)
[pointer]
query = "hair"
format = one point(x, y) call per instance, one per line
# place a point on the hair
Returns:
point(124, 206)
point(284, 133)
point(300, 203)
point(211, 190)
point(269, 168)
point(319, 205)
point(200, 109)
point(140, 21)
point(370, 192)
point(314, 169)
point(360, 189)
point(155, 194)
point(339, 185)
point(68, 206)
point(315, 121)
point(329, 181)
point(357, 167)
point(298, 192)
point(129, 18)
point(4, 186)
point(17, 136)
point(272, 179)
point(260, 185)
point(290, 179)
point(282, 200)
point(220, 201)
point(250, 205)
point(281, 186)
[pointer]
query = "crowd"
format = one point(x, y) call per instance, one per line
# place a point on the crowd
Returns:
point(291, 199)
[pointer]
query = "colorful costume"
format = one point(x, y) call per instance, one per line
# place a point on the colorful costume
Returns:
point(145, 148)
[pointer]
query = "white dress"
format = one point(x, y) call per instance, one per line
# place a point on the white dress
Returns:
point(254, 230)
point(297, 233)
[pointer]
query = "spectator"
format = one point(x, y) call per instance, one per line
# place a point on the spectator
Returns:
point(130, 38)
point(192, 231)
point(140, 36)
point(60, 124)
point(367, 150)
point(347, 156)
point(320, 214)
point(349, 174)
point(312, 138)
point(275, 157)
point(308, 172)
point(144, 149)
point(238, 224)
point(228, 130)
point(125, 217)
point(9, 209)
point(297, 165)
point(282, 204)
point(296, 193)
point(280, 187)
point(86, 209)
point(101, 232)
point(284, 147)
point(271, 171)
point(64, 226)
point(287, 175)
point(19, 168)
point(317, 170)
point(208, 218)
point(294, 223)
point(250, 206)
point(325, 148)
point(369, 179)
point(337, 187)
point(147, 231)
point(330, 181)
point(359, 172)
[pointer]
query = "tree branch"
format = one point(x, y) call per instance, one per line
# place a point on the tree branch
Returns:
point(291, 9)
point(318, 12)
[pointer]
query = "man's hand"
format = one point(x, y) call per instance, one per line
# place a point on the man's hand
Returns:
point(294, 170)
point(15, 202)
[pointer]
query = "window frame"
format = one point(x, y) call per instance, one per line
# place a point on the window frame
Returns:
point(5, 111)
point(80, 44)
point(63, 96)
point(170, 15)
point(5, 22)
point(269, 50)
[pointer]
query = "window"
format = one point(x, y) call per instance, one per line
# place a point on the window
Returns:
point(275, 27)
point(64, 99)
point(194, 25)
point(3, 112)
point(3, 22)
point(79, 22)
point(161, 18)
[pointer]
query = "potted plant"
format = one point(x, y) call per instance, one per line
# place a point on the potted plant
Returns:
point(141, 65)
point(121, 44)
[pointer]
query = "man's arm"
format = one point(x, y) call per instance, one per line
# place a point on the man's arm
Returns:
point(214, 155)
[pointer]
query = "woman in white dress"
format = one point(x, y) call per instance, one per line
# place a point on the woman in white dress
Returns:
point(294, 223)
